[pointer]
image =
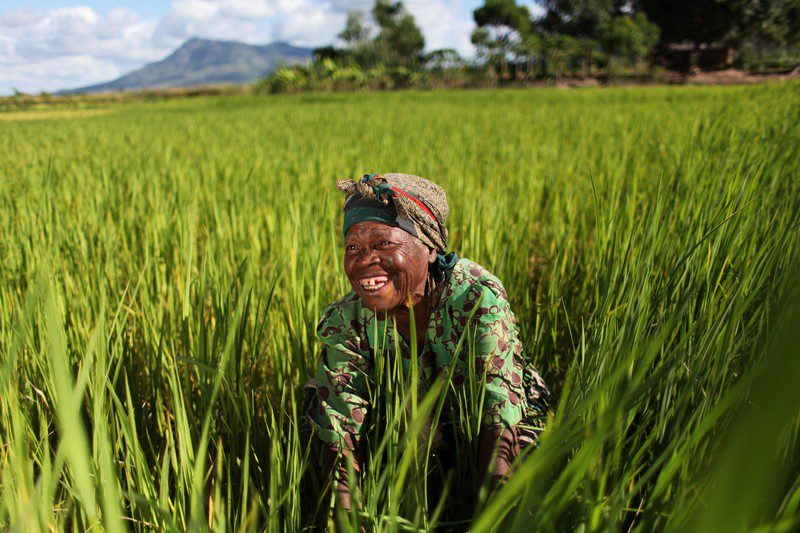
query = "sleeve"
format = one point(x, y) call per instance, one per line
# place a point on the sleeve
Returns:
point(342, 383)
point(498, 351)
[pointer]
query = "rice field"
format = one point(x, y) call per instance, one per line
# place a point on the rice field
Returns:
point(163, 266)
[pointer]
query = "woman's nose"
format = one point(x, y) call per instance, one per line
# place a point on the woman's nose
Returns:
point(368, 257)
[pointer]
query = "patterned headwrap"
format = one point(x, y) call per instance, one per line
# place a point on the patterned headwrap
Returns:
point(411, 203)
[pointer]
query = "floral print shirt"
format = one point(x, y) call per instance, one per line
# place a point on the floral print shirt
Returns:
point(473, 303)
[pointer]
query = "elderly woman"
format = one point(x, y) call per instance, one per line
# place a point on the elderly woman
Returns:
point(395, 260)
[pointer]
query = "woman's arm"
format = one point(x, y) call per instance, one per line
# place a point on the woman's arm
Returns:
point(336, 462)
point(498, 352)
point(342, 392)
point(504, 443)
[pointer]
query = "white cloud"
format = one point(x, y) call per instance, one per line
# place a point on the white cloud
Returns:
point(444, 23)
point(52, 49)
point(58, 48)
point(307, 23)
point(301, 22)
point(246, 9)
point(55, 73)
point(343, 6)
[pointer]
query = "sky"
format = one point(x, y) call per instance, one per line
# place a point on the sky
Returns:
point(48, 45)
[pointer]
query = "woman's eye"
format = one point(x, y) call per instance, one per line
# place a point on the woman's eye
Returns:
point(385, 243)
point(351, 247)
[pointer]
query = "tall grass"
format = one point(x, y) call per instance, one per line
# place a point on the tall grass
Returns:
point(163, 265)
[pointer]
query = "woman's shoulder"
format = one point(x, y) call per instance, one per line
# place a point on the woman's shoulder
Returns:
point(339, 315)
point(470, 278)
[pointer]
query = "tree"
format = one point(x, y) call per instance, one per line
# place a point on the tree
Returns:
point(630, 37)
point(501, 24)
point(505, 16)
point(588, 50)
point(355, 32)
point(359, 51)
point(328, 52)
point(581, 18)
point(529, 49)
point(768, 23)
point(443, 59)
point(558, 50)
point(696, 21)
point(399, 40)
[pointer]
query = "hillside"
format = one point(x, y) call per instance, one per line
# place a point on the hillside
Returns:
point(205, 62)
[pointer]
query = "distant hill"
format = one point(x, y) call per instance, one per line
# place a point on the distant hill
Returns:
point(205, 62)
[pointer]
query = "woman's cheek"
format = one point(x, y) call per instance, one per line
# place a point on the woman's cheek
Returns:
point(409, 277)
point(348, 268)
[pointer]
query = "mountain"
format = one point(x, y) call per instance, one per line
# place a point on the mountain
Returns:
point(206, 62)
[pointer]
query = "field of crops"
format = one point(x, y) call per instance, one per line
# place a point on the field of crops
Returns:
point(163, 266)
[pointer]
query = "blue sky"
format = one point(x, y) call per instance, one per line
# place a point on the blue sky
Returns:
point(47, 45)
point(150, 8)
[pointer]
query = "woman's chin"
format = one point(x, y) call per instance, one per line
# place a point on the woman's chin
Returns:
point(380, 300)
point(377, 303)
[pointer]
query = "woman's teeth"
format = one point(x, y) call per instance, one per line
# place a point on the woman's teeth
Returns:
point(374, 283)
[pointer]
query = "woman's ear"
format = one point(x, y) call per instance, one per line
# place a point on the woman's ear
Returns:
point(431, 256)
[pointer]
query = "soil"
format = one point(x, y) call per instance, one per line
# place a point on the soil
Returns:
point(715, 77)
point(733, 77)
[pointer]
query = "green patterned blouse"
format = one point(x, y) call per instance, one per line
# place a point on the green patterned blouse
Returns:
point(349, 336)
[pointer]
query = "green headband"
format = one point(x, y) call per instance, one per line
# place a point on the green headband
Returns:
point(360, 209)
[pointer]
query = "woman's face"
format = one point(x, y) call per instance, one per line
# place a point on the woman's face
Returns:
point(385, 265)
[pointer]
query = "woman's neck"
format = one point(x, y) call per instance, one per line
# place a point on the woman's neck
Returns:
point(422, 314)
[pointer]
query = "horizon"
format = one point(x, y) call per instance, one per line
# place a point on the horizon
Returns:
point(54, 45)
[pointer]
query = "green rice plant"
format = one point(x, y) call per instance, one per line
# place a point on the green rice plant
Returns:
point(163, 266)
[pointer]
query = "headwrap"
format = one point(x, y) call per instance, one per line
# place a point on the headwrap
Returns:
point(413, 204)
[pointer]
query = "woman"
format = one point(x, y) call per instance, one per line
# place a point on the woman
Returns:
point(395, 260)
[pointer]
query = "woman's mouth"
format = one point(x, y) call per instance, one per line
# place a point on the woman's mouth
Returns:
point(373, 283)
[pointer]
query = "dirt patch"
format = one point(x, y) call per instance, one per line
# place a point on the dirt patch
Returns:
point(734, 77)
point(14, 116)
point(587, 82)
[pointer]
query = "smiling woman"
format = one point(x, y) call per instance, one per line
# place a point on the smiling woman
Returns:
point(385, 265)
point(410, 296)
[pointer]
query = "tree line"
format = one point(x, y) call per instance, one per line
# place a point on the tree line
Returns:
point(385, 48)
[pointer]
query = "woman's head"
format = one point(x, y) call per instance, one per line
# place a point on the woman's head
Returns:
point(386, 265)
point(395, 234)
